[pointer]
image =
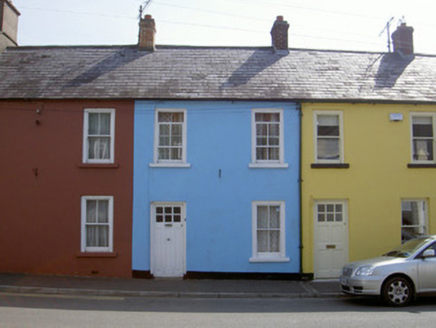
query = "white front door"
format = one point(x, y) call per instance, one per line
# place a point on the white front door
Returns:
point(168, 239)
point(331, 238)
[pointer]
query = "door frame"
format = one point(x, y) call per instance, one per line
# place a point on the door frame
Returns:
point(345, 219)
point(153, 206)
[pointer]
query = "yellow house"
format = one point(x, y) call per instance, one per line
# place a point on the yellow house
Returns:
point(369, 177)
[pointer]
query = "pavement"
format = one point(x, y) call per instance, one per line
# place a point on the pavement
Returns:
point(189, 288)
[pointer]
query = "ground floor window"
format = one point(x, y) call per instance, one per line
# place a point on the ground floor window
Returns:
point(97, 224)
point(413, 219)
point(268, 231)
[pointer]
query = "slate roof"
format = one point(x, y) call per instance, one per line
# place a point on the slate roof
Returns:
point(173, 72)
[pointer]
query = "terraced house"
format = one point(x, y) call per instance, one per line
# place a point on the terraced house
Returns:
point(149, 160)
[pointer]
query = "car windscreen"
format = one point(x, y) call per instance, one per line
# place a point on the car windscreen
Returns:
point(408, 248)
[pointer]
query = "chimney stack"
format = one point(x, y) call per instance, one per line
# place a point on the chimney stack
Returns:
point(279, 34)
point(147, 31)
point(403, 39)
point(8, 25)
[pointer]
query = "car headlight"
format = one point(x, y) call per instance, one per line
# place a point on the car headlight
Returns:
point(365, 271)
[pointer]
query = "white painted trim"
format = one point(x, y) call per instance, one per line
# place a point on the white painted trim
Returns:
point(85, 158)
point(341, 135)
point(432, 115)
point(268, 166)
point(256, 163)
point(269, 257)
point(169, 163)
point(83, 246)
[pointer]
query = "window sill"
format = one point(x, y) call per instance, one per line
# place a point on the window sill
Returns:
point(421, 166)
point(171, 165)
point(96, 254)
point(268, 259)
point(330, 166)
point(268, 165)
point(98, 165)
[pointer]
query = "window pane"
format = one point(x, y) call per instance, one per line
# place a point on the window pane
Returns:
point(103, 211)
point(328, 130)
point(91, 211)
point(274, 154)
point(274, 130)
point(274, 217)
point(423, 150)
point(422, 126)
point(163, 153)
point(92, 123)
point(274, 141)
point(97, 236)
point(176, 153)
point(328, 149)
point(262, 217)
point(330, 217)
point(164, 117)
point(328, 120)
point(99, 148)
point(413, 219)
point(261, 129)
point(261, 141)
point(159, 218)
point(321, 217)
point(274, 241)
point(177, 117)
point(262, 153)
point(262, 241)
point(338, 217)
point(105, 124)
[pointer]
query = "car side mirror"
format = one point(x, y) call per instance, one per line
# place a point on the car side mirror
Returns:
point(428, 253)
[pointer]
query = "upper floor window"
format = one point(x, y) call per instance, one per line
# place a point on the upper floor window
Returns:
point(328, 137)
point(422, 138)
point(267, 138)
point(170, 136)
point(97, 224)
point(98, 135)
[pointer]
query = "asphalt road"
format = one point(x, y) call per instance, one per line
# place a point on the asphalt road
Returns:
point(74, 311)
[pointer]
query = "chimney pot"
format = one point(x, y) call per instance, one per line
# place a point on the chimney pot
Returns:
point(403, 39)
point(279, 34)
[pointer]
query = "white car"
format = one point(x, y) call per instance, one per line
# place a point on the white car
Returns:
point(398, 276)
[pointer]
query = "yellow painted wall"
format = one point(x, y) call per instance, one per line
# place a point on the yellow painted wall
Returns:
point(378, 178)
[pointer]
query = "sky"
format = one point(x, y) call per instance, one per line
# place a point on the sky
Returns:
point(314, 24)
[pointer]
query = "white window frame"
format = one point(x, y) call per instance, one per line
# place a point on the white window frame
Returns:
point(279, 256)
point(86, 158)
point(341, 135)
point(433, 118)
point(84, 247)
point(424, 219)
point(255, 163)
point(170, 163)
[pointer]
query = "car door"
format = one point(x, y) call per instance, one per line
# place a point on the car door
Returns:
point(427, 272)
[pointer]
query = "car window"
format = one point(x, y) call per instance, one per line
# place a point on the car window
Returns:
point(408, 248)
point(432, 246)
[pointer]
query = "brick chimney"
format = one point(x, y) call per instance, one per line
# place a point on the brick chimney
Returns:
point(279, 34)
point(403, 39)
point(147, 31)
point(8, 24)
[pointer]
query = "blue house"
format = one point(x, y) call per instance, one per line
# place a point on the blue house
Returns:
point(216, 187)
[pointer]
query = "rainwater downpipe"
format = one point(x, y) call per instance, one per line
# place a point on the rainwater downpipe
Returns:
point(300, 186)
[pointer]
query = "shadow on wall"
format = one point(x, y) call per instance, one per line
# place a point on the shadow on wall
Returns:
point(391, 67)
point(107, 65)
point(258, 61)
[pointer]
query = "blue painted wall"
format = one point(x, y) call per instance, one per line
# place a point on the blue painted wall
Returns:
point(219, 209)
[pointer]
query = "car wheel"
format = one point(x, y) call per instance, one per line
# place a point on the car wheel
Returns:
point(397, 291)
